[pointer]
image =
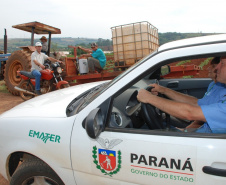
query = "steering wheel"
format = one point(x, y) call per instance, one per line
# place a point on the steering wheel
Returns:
point(152, 115)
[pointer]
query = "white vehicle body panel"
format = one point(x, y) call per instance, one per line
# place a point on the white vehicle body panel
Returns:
point(41, 116)
point(192, 41)
point(24, 140)
point(141, 158)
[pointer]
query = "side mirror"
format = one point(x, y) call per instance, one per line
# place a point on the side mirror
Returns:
point(94, 123)
point(165, 70)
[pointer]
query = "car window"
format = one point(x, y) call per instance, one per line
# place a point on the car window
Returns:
point(193, 68)
point(189, 77)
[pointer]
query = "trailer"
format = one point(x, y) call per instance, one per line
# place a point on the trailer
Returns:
point(131, 42)
point(75, 75)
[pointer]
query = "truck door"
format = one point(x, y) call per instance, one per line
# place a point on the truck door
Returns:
point(142, 156)
point(127, 152)
point(156, 158)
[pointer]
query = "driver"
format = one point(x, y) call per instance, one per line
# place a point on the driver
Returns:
point(37, 61)
point(209, 112)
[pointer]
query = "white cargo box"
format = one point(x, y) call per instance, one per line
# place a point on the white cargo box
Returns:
point(131, 42)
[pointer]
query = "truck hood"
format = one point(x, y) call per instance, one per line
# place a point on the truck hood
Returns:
point(52, 104)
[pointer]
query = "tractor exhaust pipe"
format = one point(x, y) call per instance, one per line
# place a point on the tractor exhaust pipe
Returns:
point(5, 42)
point(25, 91)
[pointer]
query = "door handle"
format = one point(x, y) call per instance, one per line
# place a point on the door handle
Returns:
point(214, 171)
point(173, 84)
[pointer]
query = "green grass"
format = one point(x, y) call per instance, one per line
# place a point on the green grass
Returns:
point(190, 76)
point(109, 54)
point(183, 62)
point(205, 62)
point(3, 88)
point(70, 55)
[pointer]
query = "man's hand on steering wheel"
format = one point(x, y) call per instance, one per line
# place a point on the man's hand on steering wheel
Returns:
point(156, 89)
point(143, 95)
point(152, 115)
point(152, 89)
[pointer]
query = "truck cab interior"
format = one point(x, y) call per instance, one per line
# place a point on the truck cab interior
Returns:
point(128, 112)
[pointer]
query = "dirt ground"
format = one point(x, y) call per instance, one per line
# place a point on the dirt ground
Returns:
point(7, 101)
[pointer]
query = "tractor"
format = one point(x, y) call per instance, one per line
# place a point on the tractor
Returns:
point(21, 59)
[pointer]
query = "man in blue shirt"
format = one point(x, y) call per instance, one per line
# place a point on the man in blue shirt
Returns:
point(96, 60)
point(209, 115)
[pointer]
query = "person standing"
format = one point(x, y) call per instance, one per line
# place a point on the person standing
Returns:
point(44, 44)
point(37, 61)
point(96, 58)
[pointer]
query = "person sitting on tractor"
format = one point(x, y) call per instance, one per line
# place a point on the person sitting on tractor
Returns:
point(96, 58)
point(37, 61)
point(44, 45)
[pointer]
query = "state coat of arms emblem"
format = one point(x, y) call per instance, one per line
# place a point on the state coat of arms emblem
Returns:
point(107, 161)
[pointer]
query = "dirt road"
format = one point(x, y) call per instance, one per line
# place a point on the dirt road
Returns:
point(7, 101)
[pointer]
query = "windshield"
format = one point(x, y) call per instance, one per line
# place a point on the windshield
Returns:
point(94, 92)
point(131, 68)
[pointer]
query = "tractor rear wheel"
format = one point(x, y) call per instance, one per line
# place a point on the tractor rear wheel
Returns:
point(19, 60)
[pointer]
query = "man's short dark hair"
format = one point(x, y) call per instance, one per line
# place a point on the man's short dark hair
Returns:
point(216, 60)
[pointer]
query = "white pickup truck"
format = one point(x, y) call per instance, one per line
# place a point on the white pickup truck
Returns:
point(96, 133)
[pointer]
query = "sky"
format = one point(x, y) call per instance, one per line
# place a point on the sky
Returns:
point(94, 18)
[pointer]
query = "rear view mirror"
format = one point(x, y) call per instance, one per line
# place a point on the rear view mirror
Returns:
point(94, 123)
